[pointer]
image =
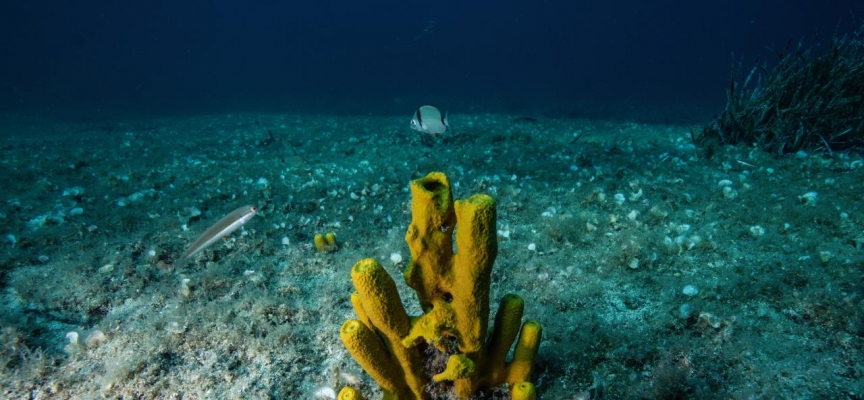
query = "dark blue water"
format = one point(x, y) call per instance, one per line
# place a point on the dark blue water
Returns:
point(565, 57)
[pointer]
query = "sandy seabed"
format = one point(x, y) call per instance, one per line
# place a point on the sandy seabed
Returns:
point(658, 270)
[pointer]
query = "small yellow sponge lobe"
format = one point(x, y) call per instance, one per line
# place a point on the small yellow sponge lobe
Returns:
point(349, 393)
point(523, 391)
point(458, 367)
point(326, 242)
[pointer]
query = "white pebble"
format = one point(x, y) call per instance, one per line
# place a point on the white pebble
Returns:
point(757, 231)
point(185, 290)
point(325, 393)
point(809, 198)
point(285, 241)
point(193, 212)
point(73, 192)
point(532, 247)
point(690, 290)
point(396, 258)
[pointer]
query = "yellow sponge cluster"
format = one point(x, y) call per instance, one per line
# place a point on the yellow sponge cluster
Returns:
point(325, 242)
point(453, 290)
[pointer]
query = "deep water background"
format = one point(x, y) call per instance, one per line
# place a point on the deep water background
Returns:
point(572, 58)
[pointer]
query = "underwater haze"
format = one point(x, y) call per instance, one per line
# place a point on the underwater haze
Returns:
point(186, 185)
point(564, 57)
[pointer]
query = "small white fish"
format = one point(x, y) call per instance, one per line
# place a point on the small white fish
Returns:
point(220, 229)
point(428, 119)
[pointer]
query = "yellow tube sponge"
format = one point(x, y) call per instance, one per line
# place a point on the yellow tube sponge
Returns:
point(458, 367)
point(453, 292)
point(519, 369)
point(521, 391)
point(320, 242)
point(349, 393)
point(398, 370)
point(326, 242)
point(504, 332)
point(372, 355)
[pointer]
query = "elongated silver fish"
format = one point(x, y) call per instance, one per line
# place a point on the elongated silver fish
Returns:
point(220, 229)
point(429, 120)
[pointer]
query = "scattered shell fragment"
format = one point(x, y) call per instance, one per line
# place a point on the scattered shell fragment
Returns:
point(690, 290)
point(96, 338)
point(757, 231)
point(809, 198)
point(325, 393)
